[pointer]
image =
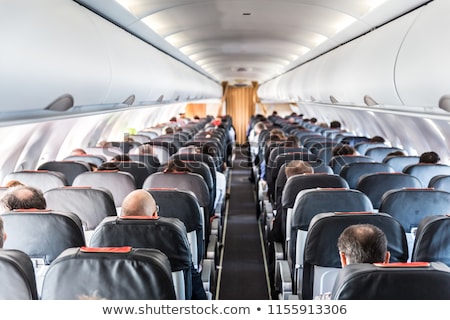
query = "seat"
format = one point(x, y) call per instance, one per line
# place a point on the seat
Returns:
point(297, 183)
point(90, 204)
point(70, 169)
point(352, 172)
point(393, 281)
point(97, 160)
point(325, 154)
point(308, 203)
point(41, 179)
point(152, 162)
point(138, 170)
point(432, 240)
point(273, 169)
point(424, 171)
point(109, 273)
point(440, 181)
point(105, 152)
point(374, 185)
point(168, 235)
point(42, 235)
point(119, 183)
point(160, 151)
point(363, 146)
point(183, 204)
point(17, 276)
point(379, 153)
point(410, 206)
point(400, 162)
point(184, 181)
point(321, 256)
point(337, 162)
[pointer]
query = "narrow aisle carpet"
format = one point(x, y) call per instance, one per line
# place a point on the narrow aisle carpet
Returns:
point(243, 271)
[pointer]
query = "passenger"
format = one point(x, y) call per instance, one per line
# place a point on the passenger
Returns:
point(397, 153)
point(78, 152)
point(276, 233)
point(361, 243)
point(2, 233)
point(13, 183)
point(429, 157)
point(104, 144)
point(377, 139)
point(120, 158)
point(253, 140)
point(292, 141)
point(23, 197)
point(108, 166)
point(295, 167)
point(342, 150)
point(176, 166)
point(335, 125)
point(141, 203)
point(145, 149)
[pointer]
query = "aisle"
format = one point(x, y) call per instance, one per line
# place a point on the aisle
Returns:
point(243, 273)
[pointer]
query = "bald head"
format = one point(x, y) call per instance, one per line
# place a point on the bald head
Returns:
point(139, 203)
point(23, 197)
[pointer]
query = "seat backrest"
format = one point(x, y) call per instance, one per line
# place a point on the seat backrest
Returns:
point(337, 162)
point(119, 183)
point(277, 150)
point(17, 276)
point(109, 273)
point(352, 172)
point(374, 185)
point(183, 181)
point(183, 204)
point(138, 170)
point(92, 205)
point(400, 162)
point(70, 169)
point(95, 159)
point(321, 256)
point(395, 281)
point(440, 181)
point(310, 202)
point(152, 162)
point(432, 240)
point(325, 154)
point(41, 179)
point(424, 171)
point(379, 153)
point(410, 206)
point(168, 235)
point(106, 152)
point(42, 235)
point(361, 147)
point(203, 157)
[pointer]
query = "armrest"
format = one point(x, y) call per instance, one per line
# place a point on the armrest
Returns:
point(284, 280)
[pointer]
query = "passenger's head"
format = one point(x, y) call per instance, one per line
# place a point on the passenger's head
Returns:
point(139, 203)
point(292, 141)
point(363, 243)
point(145, 149)
point(13, 183)
point(78, 152)
point(176, 165)
point(23, 197)
point(121, 157)
point(2, 233)
point(335, 124)
point(429, 157)
point(397, 153)
point(259, 126)
point(108, 166)
point(342, 150)
point(297, 167)
point(377, 139)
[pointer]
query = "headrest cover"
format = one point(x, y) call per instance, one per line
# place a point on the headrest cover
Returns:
point(126, 249)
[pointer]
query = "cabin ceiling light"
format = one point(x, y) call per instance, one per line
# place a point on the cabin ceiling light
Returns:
point(444, 102)
point(368, 100)
point(62, 103)
point(130, 100)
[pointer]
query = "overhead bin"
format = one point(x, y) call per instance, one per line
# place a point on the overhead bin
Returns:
point(402, 63)
point(70, 50)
